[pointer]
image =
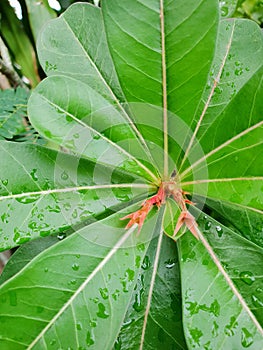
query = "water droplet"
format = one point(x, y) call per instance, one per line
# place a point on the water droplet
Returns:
point(237, 63)
point(219, 231)
point(45, 269)
point(170, 263)
point(247, 69)
point(61, 236)
point(246, 338)
point(5, 182)
point(116, 294)
point(96, 137)
point(224, 11)
point(34, 175)
point(138, 305)
point(218, 90)
point(104, 293)
point(208, 225)
point(52, 342)
point(127, 279)
point(229, 329)
point(256, 301)
point(118, 344)
point(89, 339)
point(73, 281)
point(79, 326)
point(247, 277)
point(76, 136)
point(5, 217)
point(74, 214)
point(215, 328)
point(239, 71)
point(102, 313)
point(28, 199)
point(67, 206)
point(75, 267)
point(55, 209)
point(140, 246)
point(138, 261)
point(20, 237)
point(64, 176)
point(146, 263)
point(77, 256)
point(188, 256)
point(93, 323)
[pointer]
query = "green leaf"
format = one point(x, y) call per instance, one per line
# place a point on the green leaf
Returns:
point(153, 319)
point(24, 255)
point(12, 111)
point(100, 270)
point(227, 7)
point(53, 192)
point(160, 97)
point(38, 14)
point(218, 311)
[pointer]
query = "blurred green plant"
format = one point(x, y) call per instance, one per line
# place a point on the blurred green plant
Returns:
point(252, 9)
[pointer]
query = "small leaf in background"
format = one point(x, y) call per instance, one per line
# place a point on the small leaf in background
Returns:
point(39, 12)
point(13, 105)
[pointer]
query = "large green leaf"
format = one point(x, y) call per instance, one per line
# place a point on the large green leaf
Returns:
point(154, 95)
point(100, 269)
point(45, 192)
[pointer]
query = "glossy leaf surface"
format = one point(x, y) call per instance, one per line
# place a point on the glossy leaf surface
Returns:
point(157, 103)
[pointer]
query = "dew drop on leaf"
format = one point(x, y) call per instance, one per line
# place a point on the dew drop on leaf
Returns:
point(247, 277)
point(118, 344)
point(61, 236)
point(64, 176)
point(138, 305)
point(104, 293)
point(52, 342)
point(219, 231)
point(140, 247)
point(93, 323)
point(256, 301)
point(5, 182)
point(116, 294)
point(146, 263)
point(73, 282)
point(96, 137)
point(102, 313)
point(224, 11)
point(215, 328)
point(34, 174)
point(170, 263)
point(75, 267)
point(28, 199)
point(246, 338)
point(208, 225)
point(89, 339)
point(79, 326)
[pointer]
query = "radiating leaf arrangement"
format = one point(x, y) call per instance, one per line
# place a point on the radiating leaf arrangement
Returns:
point(157, 109)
